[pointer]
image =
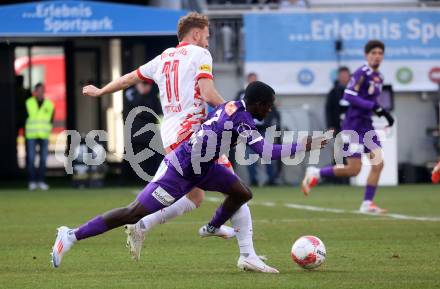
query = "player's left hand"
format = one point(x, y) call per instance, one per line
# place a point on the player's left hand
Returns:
point(380, 111)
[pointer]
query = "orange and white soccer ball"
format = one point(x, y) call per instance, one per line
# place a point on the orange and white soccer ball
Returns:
point(308, 252)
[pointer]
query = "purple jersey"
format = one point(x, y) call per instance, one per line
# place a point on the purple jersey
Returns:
point(224, 127)
point(362, 92)
point(193, 163)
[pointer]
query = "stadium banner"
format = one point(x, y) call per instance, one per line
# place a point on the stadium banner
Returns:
point(295, 52)
point(85, 18)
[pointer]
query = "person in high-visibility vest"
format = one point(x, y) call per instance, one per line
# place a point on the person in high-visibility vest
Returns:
point(40, 112)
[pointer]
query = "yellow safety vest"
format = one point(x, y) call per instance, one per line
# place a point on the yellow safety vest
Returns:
point(39, 121)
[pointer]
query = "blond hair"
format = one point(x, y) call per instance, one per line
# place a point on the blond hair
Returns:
point(190, 21)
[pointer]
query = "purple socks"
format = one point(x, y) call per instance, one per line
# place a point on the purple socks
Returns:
point(220, 217)
point(92, 228)
point(327, 172)
point(370, 191)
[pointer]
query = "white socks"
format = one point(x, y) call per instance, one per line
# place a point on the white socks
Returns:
point(180, 207)
point(242, 223)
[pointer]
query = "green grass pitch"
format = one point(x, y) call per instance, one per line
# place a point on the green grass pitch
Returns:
point(362, 251)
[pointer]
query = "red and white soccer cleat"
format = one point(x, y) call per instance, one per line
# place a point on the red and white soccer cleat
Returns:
point(254, 263)
point(369, 207)
point(310, 180)
point(435, 177)
point(63, 243)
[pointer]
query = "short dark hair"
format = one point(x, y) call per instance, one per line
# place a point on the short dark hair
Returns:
point(258, 92)
point(343, 69)
point(38, 85)
point(374, 44)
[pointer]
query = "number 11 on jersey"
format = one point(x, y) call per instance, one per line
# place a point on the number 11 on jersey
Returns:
point(171, 67)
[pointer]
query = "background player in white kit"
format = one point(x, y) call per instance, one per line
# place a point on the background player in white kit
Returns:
point(184, 77)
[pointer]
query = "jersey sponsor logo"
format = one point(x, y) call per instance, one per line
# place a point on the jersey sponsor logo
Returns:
point(162, 196)
point(244, 130)
point(230, 108)
point(206, 68)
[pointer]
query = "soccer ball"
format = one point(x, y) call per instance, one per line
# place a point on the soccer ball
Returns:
point(308, 252)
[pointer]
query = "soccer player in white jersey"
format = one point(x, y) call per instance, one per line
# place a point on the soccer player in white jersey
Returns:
point(184, 77)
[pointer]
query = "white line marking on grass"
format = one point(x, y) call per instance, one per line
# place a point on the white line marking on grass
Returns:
point(340, 211)
point(316, 209)
point(336, 211)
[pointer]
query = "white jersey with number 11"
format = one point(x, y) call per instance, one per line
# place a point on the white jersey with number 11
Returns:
point(176, 72)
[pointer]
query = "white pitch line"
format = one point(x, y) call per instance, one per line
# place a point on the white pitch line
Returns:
point(336, 211)
point(316, 209)
point(340, 211)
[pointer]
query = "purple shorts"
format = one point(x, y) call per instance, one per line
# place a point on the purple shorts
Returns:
point(366, 143)
point(168, 185)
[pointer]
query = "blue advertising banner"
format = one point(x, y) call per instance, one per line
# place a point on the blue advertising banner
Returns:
point(311, 36)
point(85, 18)
point(300, 46)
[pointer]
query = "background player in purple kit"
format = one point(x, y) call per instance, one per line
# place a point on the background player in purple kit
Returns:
point(362, 92)
point(193, 164)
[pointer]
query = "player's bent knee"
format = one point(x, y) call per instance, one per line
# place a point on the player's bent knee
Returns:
point(353, 167)
point(135, 212)
point(245, 195)
point(353, 170)
point(196, 195)
point(377, 168)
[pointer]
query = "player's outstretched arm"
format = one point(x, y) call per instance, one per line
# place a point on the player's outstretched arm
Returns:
point(286, 150)
point(120, 83)
point(353, 99)
point(209, 93)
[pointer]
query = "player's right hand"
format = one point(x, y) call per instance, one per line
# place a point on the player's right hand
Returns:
point(378, 110)
point(389, 118)
point(91, 90)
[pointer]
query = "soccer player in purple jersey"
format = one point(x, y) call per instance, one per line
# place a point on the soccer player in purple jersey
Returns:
point(362, 92)
point(193, 164)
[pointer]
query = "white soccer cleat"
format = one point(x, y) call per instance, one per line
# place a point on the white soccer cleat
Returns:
point(254, 263)
point(224, 232)
point(310, 180)
point(43, 186)
point(32, 186)
point(369, 207)
point(63, 243)
point(135, 240)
